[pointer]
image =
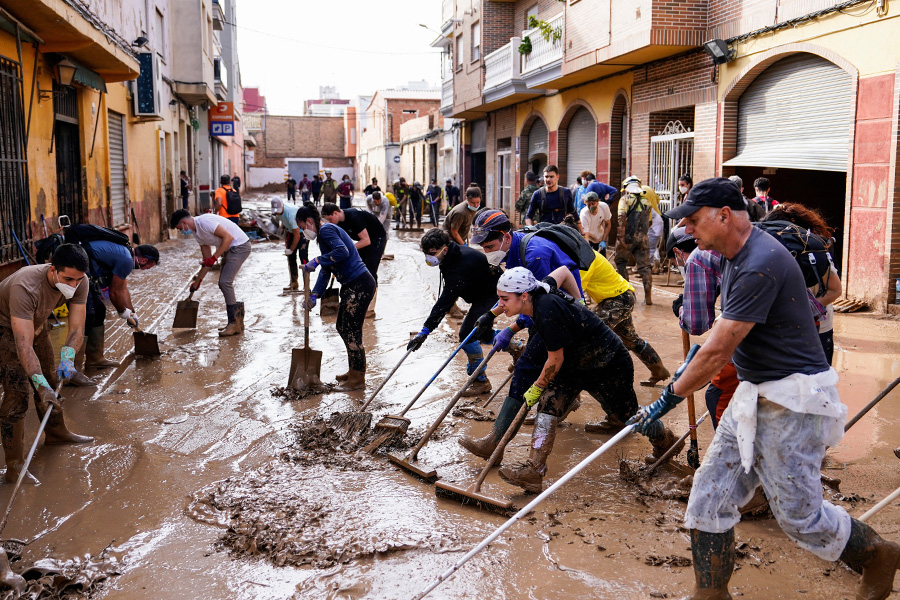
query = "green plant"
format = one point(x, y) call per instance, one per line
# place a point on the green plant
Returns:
point(550, 34)
point(525, 46)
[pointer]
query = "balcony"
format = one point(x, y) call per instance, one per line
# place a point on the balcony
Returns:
point(503, 83)
point(218, 15)
point(544, 63)
point(447, 98)
point(220, 76)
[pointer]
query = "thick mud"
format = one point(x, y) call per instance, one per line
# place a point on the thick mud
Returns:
point(52, 579)
point(218, 483)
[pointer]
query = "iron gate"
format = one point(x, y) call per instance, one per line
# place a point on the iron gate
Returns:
point(14, 200)
point(68, 155)
point(671, 156)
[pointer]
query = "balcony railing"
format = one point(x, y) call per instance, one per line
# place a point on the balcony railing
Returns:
point(447, 10)
point(544, 52)
point(447, 94)
point(502, 65)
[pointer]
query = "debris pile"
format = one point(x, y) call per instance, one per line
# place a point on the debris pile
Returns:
point(51, 579)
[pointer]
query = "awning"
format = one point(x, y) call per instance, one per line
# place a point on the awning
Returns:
point(8, 23)
point(85, 76)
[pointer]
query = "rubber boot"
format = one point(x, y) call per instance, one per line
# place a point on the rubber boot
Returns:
point(370, 312)
point(648, 291)
point(343, 377)
point(94, 351)
point(239, 315)
point(13, 437)
point(662, 440)
point(56, 431)
point(484, 447)
point(481, 385)
point(294, 285)
point(713, 555)
point(877, 559)
point(610, 425)
point(572, 407)
point(356, 380)
point(530, 475)
point(232, 328)
point(80, 379)
point(658, 372)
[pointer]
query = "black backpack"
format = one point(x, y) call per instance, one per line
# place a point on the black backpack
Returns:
point(233, 202)
point(810, 250)
point(633, 216)
point(568, 240)
point(85, 232)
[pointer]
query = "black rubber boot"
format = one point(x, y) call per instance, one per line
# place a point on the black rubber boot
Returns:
point(713, 564)
point(877, 559)
point(484, 447)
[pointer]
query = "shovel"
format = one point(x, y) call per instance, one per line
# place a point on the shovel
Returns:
point(306, 363)
point(472, 494)
point(186, 310)
point(145, 344)
point(424, 471)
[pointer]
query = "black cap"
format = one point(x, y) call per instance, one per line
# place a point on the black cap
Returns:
point(679, 238)
point(717, 192)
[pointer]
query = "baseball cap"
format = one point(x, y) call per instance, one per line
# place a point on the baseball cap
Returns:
point(679, 238)
point(486, 222)
point(277, 204)
point(717, 192)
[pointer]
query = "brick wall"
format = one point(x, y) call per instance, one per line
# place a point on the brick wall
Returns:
point(546, 10)
point(308, 137)
point(497, 25)
point(659, 120)
point(680, 14)
point(728, 18)
point(587, 27)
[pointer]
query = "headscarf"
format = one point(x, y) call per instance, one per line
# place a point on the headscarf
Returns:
point(519, 280)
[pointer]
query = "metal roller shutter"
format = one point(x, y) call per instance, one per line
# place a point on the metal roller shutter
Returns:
point(796, 115)
point(479, 136)
point(581, 145)
point(117, 184)
point(537, 140)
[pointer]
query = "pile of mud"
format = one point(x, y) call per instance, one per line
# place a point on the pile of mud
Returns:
point(474, 412)
point(667, 483)
point(322, 442)
point(289, 394)
point(52, 579)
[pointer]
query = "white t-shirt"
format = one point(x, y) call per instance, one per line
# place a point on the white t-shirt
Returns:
point(592, 223)
point(656, 225)
point(206, 225)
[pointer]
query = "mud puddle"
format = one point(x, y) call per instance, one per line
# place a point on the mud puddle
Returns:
point(76, 578)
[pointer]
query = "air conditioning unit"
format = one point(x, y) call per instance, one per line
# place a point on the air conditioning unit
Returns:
point(147, 87)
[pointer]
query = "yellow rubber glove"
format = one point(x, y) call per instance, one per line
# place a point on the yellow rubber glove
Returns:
point(533, 395)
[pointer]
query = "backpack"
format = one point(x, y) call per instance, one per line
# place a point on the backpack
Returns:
point(233, 201)
point(568, 240)
point(86, 232)
point(810, 250)
point(633, 220)
point(563, 191)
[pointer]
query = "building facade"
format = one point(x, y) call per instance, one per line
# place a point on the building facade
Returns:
point(806, 94)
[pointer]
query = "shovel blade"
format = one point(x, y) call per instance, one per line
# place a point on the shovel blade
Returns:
point(146, 344)
point(305, 363)
point(186, 314)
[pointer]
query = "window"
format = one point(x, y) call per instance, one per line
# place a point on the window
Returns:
point(531, 12)
point(159, 35)
point(476, 41)
point(459, 52)
point(15, 210)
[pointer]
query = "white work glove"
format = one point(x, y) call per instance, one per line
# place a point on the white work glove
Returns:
point(129, 314)
point(288, 251)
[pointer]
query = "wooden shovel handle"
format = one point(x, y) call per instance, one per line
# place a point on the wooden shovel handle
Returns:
point(692, 413)
point(305, 307)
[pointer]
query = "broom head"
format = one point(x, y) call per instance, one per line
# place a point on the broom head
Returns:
point(470, 497)
point(418, 469)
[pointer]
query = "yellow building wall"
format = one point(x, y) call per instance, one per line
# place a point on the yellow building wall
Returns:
point(599, 95)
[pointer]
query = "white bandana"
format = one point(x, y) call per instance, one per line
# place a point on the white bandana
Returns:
point(519, 280)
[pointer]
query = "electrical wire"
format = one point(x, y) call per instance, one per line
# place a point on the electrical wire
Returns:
point(805, 19)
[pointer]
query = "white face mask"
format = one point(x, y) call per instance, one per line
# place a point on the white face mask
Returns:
point(470, 207)
point(67, 290)
point(683, 189)
point(496, 257)
point(309, 234)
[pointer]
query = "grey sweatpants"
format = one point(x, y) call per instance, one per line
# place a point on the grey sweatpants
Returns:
point(234, 259)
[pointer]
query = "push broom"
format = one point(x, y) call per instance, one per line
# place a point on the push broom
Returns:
point(350, 424)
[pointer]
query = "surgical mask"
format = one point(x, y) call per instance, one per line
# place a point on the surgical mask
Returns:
point(67, 290)
point(186, 232)
point(432, 261)
point(496, 257)
point(683, 189)
point(593, 209)
point(309, 234)
point(470, 207)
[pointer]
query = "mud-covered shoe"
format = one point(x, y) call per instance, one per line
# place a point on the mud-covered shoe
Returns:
point(661, 445)
point(524, 475)
point(610, 425)
point(80, 380)
point(356, 380)
point(480, 447)
point(343, 376)
point(658, 372)
point(478, 388)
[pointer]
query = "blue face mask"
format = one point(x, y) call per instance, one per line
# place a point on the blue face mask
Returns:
point(186, 232)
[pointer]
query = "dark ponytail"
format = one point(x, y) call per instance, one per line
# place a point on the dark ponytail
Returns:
point(308, 211)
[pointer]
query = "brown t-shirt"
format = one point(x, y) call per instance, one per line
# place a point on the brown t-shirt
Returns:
point(460, 219)
point(27, 294)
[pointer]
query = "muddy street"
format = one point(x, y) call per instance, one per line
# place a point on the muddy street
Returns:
point(205, 482)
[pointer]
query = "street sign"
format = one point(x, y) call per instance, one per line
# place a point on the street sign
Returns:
point(221, 119)
point(396, 159)
point(219, 128)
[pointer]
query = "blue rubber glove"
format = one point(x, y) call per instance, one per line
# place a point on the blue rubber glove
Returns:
point(502, 339)
point(311, 265)
point(311, 304)
point(524, 321)
point(603, 245)
point(419, 339)
point(533, 394)
point(66, 368)
point(647, 416)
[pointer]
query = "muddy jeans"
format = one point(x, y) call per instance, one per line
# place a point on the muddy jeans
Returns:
point(616, 312)
point(356, 296)
point(17, 388)
point(787, 456)
point(640, 249)
point(234, 259)
point(609, 379)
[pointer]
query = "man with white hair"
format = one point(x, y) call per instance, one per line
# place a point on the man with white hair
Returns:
point(294, 242)
point(784, 414)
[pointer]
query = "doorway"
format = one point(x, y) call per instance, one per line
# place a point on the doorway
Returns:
point(68, 153)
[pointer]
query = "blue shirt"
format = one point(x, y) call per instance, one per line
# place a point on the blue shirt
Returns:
point(289, 217)
point(542, 257)
point(339, 257)
point(601, 189)
point(579, 203)
point(109, 259)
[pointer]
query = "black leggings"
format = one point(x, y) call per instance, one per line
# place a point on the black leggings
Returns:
point(371, 255)
point(356, 296)
point(478, 308)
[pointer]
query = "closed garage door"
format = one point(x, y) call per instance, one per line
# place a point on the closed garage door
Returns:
point(796, 115)
point(117, 166)
point(537, 141)
point(581, 146)
point(297, 168)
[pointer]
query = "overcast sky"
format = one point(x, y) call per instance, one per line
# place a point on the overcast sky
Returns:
point(288, 48)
